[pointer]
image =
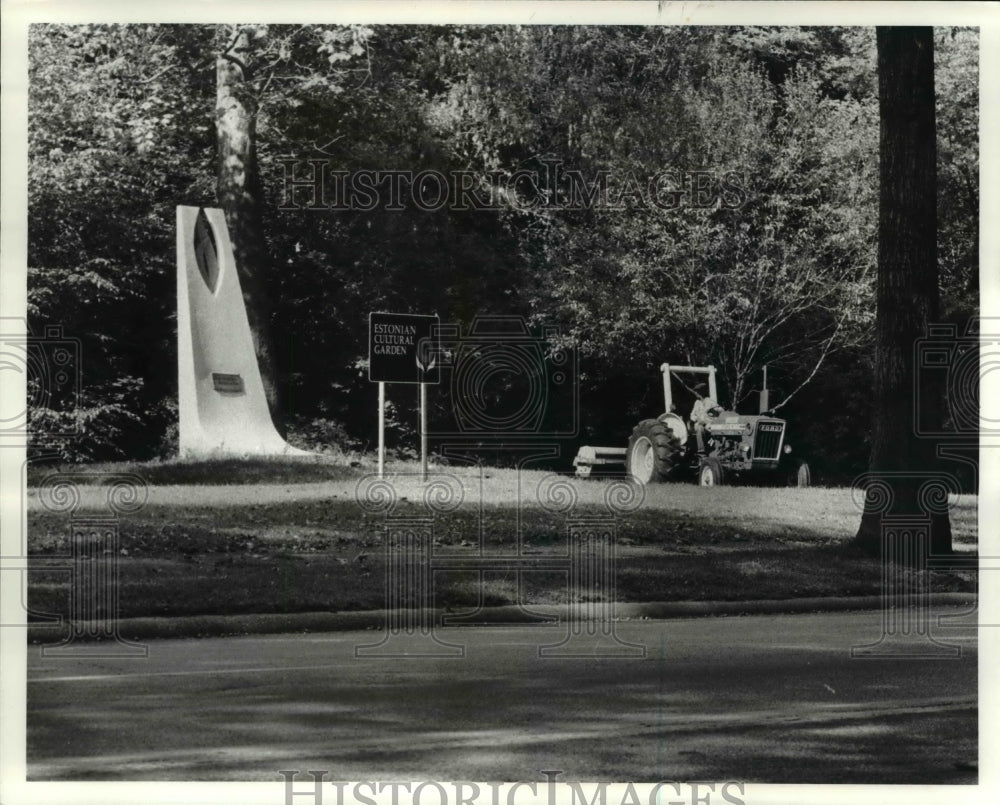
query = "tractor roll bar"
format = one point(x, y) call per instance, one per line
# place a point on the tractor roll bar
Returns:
point(666, 368)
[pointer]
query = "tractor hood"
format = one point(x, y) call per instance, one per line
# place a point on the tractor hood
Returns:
point(730, 423)
point(763, 437)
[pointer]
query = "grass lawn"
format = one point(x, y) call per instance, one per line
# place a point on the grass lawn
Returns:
point(288, 536)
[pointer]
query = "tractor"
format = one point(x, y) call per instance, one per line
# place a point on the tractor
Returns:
point(714, 445)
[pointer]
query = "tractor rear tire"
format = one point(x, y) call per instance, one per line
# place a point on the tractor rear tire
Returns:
point(654, 453)
point(710, 473)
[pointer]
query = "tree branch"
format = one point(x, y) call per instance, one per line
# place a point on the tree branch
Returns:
point(153, 77)
point(819, 363)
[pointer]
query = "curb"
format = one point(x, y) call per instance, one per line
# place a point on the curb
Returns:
point(541, 615)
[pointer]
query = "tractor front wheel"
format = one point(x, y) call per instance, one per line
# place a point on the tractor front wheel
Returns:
point(803, 477)
point(710, 473)
point(653, 452)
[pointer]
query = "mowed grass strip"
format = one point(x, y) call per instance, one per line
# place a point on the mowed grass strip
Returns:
point(311, 546)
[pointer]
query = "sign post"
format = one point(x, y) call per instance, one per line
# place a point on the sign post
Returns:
point(381, 430)
point(403, 348)
point(423, 432)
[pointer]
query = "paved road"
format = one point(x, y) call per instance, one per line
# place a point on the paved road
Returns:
point(770, 699)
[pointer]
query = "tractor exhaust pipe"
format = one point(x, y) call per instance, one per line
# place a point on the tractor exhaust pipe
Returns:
point(765, 402)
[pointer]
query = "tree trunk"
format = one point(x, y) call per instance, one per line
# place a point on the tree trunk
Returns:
point(239, 193)
point(907, 293)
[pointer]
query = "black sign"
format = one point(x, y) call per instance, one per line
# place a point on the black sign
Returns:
point(228, 384)
point(403, 348)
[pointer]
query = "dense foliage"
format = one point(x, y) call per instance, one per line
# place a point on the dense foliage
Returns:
point(736, 225)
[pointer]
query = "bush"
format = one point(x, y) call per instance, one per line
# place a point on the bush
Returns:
point(320, 435)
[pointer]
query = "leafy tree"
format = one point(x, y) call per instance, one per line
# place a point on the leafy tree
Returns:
point(783, 277)
point(337, 264)
point(114, 141)
point(250, 59)
point(957, 114)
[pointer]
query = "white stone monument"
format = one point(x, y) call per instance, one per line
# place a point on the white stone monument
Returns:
point(222, 408)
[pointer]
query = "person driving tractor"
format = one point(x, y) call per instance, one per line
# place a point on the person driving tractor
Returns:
point(704, 410)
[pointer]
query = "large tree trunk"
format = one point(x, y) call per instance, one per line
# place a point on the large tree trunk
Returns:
point(907, 295)
point(239, 193)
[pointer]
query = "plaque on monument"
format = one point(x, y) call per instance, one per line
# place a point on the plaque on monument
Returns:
point(227, 383)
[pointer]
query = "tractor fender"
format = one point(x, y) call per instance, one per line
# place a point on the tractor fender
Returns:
point(675, 424)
